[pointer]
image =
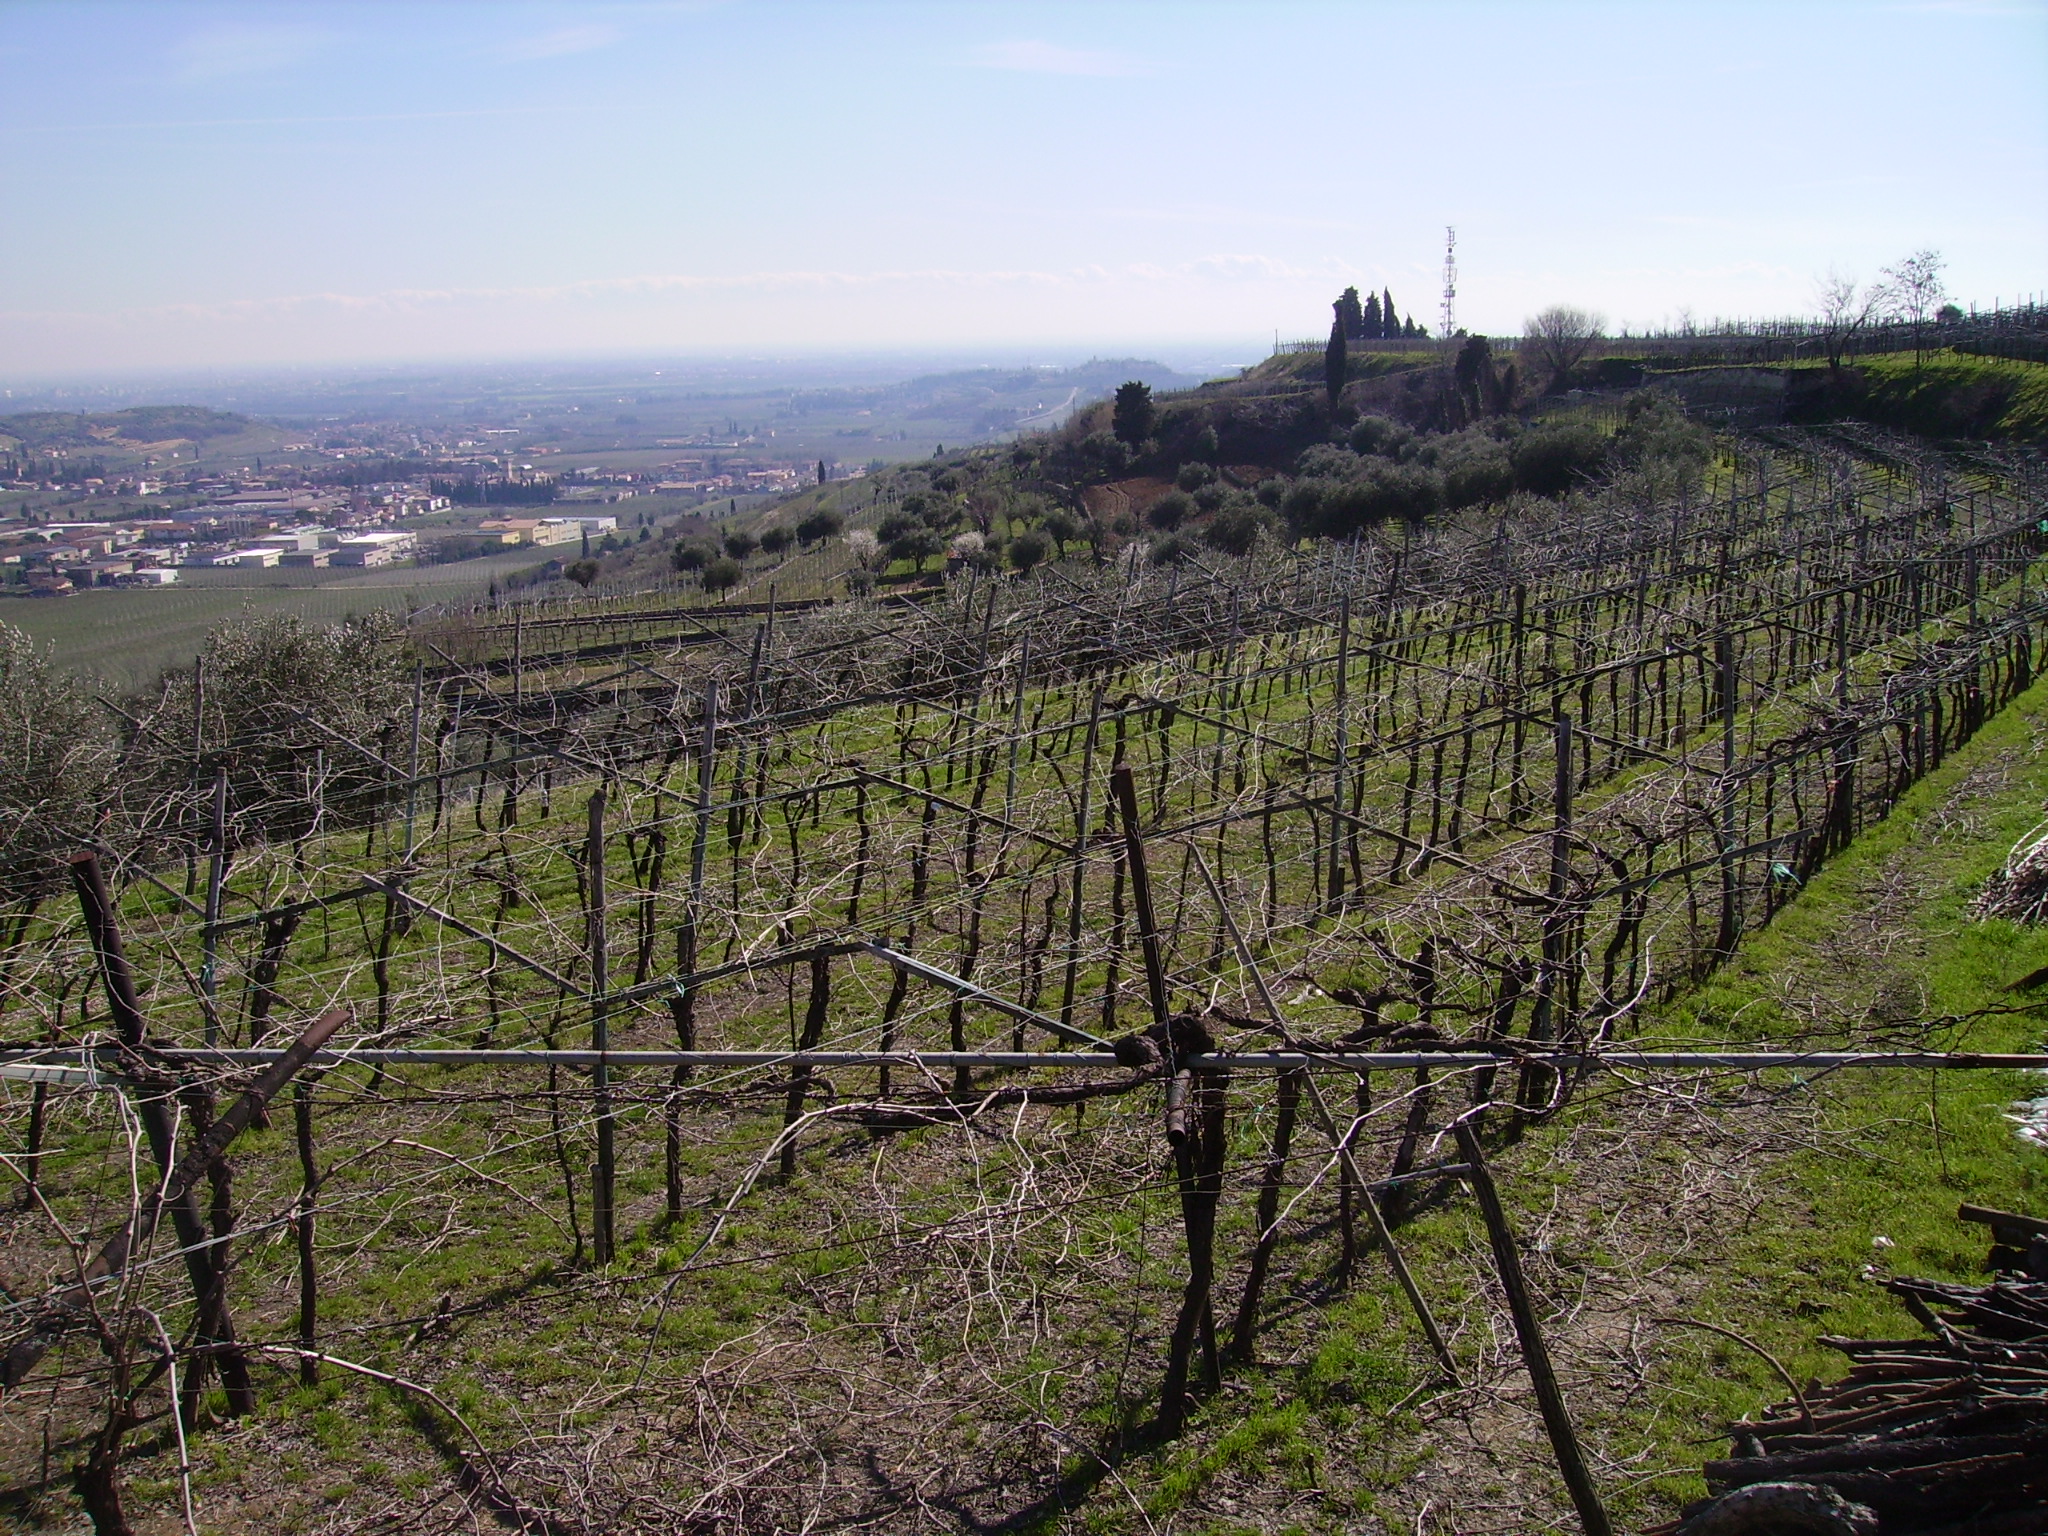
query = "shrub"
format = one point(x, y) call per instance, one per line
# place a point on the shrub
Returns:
point(1327, 461)
point(1060, 527)
point(1477, 476)
point(1235, 530)
point(1210, 497)
point(1406, 491)
point(1656, 437)
point(821, 524)
point(59, 748)
point(1027, 550)
point(1207, 448)
point(916, 545)
point(1550, 460)
point(1302, 505)
point(1377, 434)
point(1171, 550)
point(1194, 475)
point(1104, 453)
point(1169, 511)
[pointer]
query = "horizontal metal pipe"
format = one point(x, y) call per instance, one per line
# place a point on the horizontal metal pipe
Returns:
point(1247, 1061)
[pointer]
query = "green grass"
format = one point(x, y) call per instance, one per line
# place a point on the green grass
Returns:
point(1946, 394)
point(1339, 1365)
point(128, 636)
point(1900, 1151)
point(1882, 1155)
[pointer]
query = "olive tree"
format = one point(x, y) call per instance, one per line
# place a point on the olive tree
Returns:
point(304, 719)
point(57, 747)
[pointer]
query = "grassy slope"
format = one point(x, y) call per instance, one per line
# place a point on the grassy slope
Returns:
point(1320, 1419)
point(1888, 933)
point(1950, 394)
point(1756, 1210)
point(1797, 1180)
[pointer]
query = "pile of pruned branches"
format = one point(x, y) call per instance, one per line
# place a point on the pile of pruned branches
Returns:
point(1938, 1436)
point(2019, 888)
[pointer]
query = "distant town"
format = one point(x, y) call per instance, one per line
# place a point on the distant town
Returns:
point(465, 504)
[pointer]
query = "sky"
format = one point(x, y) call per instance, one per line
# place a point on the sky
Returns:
point(220, 185)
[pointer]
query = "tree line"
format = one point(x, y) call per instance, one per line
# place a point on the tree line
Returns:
point(1375, 319)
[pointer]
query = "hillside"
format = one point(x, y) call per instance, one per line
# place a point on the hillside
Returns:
point(137, 427)
point(1946, 395)
point(939, 1292)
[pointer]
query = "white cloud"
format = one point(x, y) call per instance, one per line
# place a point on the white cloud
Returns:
point(564, 40)
point(223, 52)
point(1031, 56)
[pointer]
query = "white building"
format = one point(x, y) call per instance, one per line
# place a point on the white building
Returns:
point(373, 549)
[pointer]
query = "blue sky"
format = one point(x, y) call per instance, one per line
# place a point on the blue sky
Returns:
point(219, 184)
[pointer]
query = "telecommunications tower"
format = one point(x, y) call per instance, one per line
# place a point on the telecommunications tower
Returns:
point(1450, 315)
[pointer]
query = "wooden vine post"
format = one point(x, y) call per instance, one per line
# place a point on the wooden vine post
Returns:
point(683, 1006)
point(209, 934)
point(1339, 771)
point(1564, 1441)
point(1087, 783)
point(1197, 1139)
point(1534, 1086)
point(604, 1179)
point(815, 1013)
point(1731, 909)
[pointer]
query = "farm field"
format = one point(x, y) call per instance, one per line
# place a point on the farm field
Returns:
point(1495, 783)
point(128, 636)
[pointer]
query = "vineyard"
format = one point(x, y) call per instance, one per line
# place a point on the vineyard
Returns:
point(883, 1063)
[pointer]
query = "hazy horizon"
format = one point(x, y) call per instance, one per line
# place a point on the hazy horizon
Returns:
point(321, 186)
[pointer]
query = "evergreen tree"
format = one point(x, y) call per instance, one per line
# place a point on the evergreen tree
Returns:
point(1351, 316)
point(1336, 362)
point(1388, 319)
point(1131, 416)
point(1373, 327)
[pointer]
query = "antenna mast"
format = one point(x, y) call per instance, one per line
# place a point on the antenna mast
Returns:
point(1450, 315)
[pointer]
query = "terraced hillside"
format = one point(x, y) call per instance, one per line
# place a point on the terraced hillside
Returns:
point(1499, 780)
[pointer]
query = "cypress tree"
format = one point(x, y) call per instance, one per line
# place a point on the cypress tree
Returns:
point(1373, 327)
point(1336, 362)
point(1387, 316)
point(1350, 315)
point(1131, 416)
